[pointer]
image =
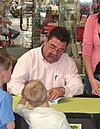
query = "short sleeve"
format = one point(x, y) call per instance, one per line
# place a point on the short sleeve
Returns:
point(6, 113)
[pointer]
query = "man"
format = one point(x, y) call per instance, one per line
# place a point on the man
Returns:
point(49, 64)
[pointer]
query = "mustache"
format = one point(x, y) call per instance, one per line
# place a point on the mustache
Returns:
point(52, 55)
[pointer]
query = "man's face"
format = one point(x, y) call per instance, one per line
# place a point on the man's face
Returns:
point(53, 49)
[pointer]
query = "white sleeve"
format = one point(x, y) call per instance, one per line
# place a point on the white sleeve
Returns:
point(21, 110)
point(19, 76)
point(74, 85)
point(64, 124)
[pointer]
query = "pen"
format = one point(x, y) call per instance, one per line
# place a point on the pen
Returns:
point(55, 77)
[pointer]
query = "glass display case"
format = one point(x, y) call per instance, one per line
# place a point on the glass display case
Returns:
point(67, 17)
point(73, 15)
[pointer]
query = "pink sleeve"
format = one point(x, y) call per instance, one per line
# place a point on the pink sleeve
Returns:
point(88, 36)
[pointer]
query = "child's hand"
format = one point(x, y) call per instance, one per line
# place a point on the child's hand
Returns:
point(22, 101)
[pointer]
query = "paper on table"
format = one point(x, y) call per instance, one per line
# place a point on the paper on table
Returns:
point(56, 101)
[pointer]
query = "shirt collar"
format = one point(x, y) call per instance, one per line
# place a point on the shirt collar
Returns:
point(41, 55)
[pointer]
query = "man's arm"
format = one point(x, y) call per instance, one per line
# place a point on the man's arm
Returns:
point(73, 83)
point(19, 77)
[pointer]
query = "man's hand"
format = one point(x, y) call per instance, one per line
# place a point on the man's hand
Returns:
point(54, 93)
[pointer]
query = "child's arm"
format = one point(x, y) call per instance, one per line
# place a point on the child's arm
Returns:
point(10, 125)
point(21, 108)
point(22, 101)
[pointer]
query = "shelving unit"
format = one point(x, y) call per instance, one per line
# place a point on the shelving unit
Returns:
point(4, 39)
point(67, 15)
point(32, 28)
point(36, 30)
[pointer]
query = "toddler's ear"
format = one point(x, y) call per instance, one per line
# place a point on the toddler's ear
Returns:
point(2, 74)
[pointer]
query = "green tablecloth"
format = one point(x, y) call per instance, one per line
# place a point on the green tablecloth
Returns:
point(73, 105)
point(15, 101)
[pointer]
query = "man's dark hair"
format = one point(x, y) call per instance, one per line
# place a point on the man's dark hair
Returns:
point(60, 33)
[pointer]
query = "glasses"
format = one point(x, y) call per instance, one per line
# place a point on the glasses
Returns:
point(58, 50)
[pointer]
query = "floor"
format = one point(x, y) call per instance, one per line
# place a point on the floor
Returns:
point(19, 47)
point(15, 52)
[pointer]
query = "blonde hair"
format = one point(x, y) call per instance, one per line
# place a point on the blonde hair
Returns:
point(35, 93)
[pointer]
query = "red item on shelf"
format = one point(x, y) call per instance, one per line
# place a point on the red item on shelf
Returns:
point(5, 21)
point(50, 27)
point(79, 33)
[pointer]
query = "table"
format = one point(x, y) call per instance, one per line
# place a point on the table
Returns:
point(81, 110)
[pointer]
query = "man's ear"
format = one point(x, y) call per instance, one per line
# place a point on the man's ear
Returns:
point(45, 40)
